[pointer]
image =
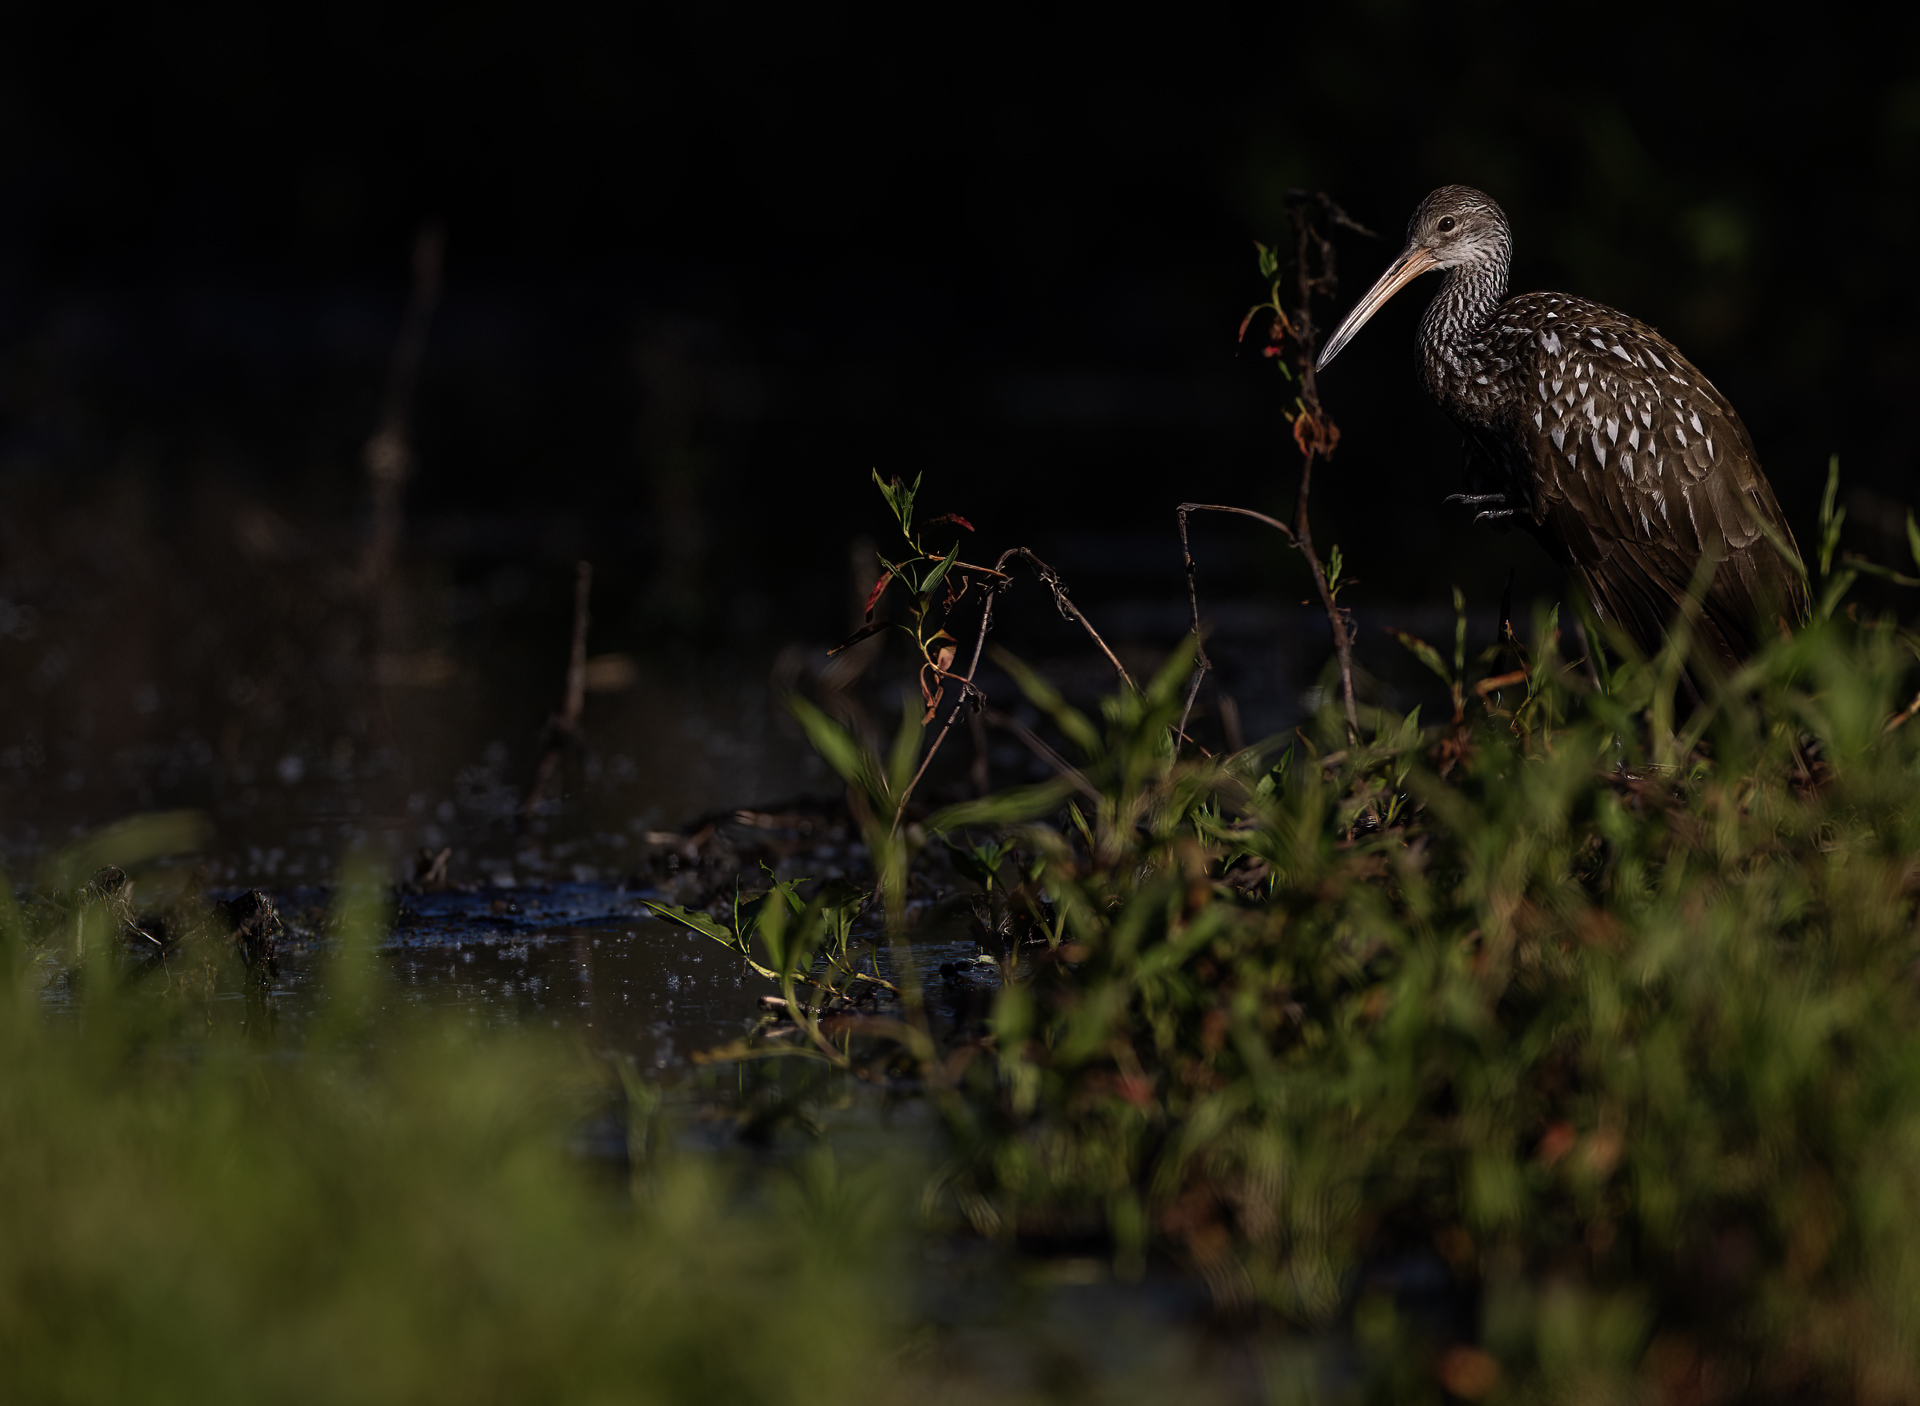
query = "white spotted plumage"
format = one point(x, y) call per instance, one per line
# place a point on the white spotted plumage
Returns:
point(1556, 454)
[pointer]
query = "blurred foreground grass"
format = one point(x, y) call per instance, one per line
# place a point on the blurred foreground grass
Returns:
point(189, 1212)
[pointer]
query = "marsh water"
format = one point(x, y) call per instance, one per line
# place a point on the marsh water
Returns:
point(585, 958)
point(265, 693)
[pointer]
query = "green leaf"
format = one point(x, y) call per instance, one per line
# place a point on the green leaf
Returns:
point(1913, 538)
point(1407, 741)
point(900, 500)
point(1072, 722)
point(1830, 540)
point(1837, 588)
point(1170, 679)
point(786, 889)
point(979, 862)
point(840, 748)
point(1012, 807)
point(1080, 824)
point(687, 918)
point(906, 746)
point(768, 916)
point(1830, 517)
point(772, 928)
point(1548, 652)
point(1427, 654)
point(967, 859)
point(1873, 568)
point(939, 572)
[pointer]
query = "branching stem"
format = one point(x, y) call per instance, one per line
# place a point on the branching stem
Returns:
point(1313, 433)
point(969, 691)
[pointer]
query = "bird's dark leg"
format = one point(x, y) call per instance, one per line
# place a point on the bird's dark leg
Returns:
point(1497, 506)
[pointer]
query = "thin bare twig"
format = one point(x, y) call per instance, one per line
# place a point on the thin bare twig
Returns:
point(389, 454)
point(1901, 718)
point(1202, 664)
point(1193, 593)
point(1320, 437)
point(1069, 611)
point(563, 728)
point(990, 591)
point(1335, 215)
point(1313, 432)
point(969, 691)
point(1272, 522)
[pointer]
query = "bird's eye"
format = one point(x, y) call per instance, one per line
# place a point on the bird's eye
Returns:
point(1447, 224)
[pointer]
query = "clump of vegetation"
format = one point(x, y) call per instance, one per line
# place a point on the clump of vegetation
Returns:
point(1607, 1003)
point(1623, 1025)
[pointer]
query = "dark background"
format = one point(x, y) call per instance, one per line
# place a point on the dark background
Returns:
point(708, 265)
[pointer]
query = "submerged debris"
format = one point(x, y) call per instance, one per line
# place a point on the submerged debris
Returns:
point(430, 867)
point(109, 890)
point(257, 928)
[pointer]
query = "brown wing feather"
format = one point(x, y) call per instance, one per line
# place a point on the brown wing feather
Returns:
point(1639, 469)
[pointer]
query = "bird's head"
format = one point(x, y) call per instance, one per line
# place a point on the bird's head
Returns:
point(1455, 227)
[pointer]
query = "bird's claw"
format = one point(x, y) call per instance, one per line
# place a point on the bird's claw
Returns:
point(1495, 507)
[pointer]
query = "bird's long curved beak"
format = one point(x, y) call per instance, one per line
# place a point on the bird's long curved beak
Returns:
point(1409, 266)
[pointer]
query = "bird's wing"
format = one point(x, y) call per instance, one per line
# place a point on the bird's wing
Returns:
point(1642, 469)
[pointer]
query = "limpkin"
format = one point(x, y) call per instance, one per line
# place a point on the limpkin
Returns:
point(1590, 430)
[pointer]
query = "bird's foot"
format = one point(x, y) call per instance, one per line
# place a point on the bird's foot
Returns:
point(1495, 507)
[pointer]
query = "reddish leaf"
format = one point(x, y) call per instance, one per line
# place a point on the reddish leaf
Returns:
point(865, 632)
point(931, 695)
point(953, 518)
point(1556, 1143)
point(1492, 685)
point(879, 589)
point(1467, 1372)
point(1314, 435)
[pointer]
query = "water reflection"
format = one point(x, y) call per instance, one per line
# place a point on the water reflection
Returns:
point(648, 991)
point(589, 959)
